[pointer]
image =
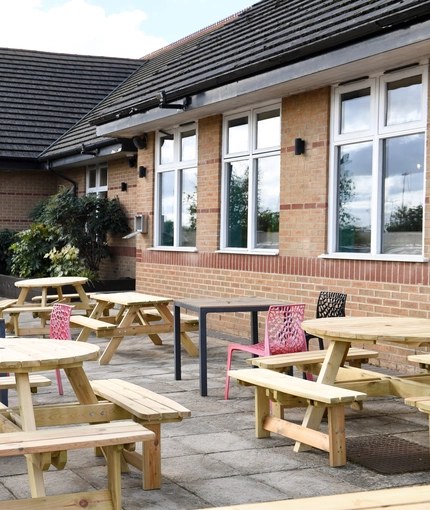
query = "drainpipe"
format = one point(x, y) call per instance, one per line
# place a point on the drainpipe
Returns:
point(74, 183)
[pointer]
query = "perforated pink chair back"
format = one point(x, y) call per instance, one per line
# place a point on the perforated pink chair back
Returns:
point(283, 333)
point(59, 329)
point(59, 324)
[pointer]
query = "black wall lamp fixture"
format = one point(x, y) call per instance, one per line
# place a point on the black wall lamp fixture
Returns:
point(123, 186)
point(142, 171)
point(299, 146)
point(140, 142)
point(132, 161)
point(161, 96)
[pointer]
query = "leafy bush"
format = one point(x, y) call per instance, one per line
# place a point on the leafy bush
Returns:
point(7, 237)
point(84, 223)
point(66, 262)
point(28, 252)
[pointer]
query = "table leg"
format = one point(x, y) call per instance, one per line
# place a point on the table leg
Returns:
point(95, 314)
point(254, 327)
point(128, 319)
point(28, 421)
point(335, 355)
point(177, 341)
point(203, 354)
point(188, 345)
point(81, 385)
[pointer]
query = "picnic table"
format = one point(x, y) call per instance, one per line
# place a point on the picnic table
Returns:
point(138, 314)
point(43, 306)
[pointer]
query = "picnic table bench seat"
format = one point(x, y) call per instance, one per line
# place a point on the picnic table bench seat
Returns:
point(412, 497)
point(87, 322)
point(36, 381)
point(276, 387)
point(112, 437)
point(305, 361)
point(149, 409)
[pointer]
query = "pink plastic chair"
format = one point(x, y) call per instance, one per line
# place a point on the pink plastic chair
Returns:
point(283, 334)
point(59, 329)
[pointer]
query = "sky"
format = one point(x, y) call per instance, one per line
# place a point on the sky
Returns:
point(110, 28)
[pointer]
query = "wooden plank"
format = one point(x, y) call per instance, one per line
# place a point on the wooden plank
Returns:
point(295, 386)
point(411, 497)
point(72, 438)
point(280, 361)
point(36, 381)
point(88, 322)
point(140, 402)
point(96, 500)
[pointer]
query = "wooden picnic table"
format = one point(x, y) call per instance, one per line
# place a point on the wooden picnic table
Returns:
point(341, 332)
point(23, 356)
point(44, 308)
point(138, 314)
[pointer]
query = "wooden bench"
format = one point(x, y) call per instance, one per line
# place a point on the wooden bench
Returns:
point(54, 297)
point(149, 409)
point(112, 437)
point(38, 311)
point(275, 387)
point(6, 303)
point(36, 381)
point(421, 402)
point(306, 361)
point(412, 497)
point(96, 325)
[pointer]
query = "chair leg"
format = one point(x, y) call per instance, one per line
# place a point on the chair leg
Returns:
point(59, 382)
point(227, 379)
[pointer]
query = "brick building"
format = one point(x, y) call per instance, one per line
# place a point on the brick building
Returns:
point(279, 153)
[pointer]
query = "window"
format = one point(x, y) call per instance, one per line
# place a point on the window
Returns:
point(176, 188)
point(377, 166)
point(97, 180)
point(251, 181)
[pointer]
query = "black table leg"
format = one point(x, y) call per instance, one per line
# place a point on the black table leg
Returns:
point(254, 327)
point(177, 342)
point(203, 354)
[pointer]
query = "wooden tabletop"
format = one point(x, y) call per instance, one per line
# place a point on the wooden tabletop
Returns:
point(406, 330)
point(131, 298)
point(58, 281)
point(39, 354)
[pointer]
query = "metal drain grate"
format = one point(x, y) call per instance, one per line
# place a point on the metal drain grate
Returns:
point(388, 455)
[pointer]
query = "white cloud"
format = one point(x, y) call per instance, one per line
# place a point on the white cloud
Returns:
point(75, 27)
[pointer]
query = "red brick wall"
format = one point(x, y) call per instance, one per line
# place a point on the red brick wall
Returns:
point(20, 192)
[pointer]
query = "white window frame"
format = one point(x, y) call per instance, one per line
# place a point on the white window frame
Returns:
point(176, 166)
point(376, 135)
point(97, 189)
point(253, 154)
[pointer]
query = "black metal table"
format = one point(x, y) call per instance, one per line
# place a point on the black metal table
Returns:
point(204, 306)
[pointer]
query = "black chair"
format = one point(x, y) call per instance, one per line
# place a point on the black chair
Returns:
point(330, 304)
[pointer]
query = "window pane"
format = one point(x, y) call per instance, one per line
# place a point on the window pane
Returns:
point(403, 195)
point(404, 101)
point(189, 207)
point(237, 196)
point(268, 202)
point(103, 176)
point(167, 199)
point(92, 173)
point(188, 145)
point(355, 111)
point(268, 129)
point(354, 198)
point(238, 135)
point(166, 149)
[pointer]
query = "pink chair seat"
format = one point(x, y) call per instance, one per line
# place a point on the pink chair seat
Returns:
point(283, 335)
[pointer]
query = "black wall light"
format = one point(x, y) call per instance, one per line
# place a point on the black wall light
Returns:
point(299, 146)
point(142, 171)
point(140, 142)
point(123, 186)
point(132, 161)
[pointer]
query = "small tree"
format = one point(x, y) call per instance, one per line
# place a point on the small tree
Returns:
point(82, 223)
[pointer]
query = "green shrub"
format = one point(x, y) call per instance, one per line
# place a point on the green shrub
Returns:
point(7, 238)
